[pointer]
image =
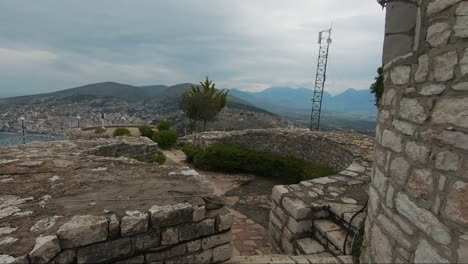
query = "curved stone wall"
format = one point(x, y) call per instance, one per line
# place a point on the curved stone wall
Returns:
point(313, 147)
point(418, 197)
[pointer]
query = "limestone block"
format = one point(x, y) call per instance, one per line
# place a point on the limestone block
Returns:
point(7, 230)
point(389, 97)
point(383, 116)
point(462, 9)
point(417, 152)
point(451, 111)
point(66, 257)
point(425, 253)
point(391, 140)
point(447, 160)
point(170, 236)
point(203, 257)
point(397, 45)
point(400, 75)
point(412, 110)
point(461, 86)
point(176, 251)
point(440, 5)
point(389, 196)
point(438, 34)
point(401, 17)
point(454, 138)
point(423, 219)
point(296, 208)
point(456, 208)
point(191, 231)
point(199, 214)
point(432, 89)
point(277, 193)
point(193, 246)
point(148, 240)
point(298, 227)
point(464, 63)
point(133, 260)
point(169, 215)
point(286, 245)
point(421, 183)
point(46, 248)
point(423, 68)
point(135, 222)
point(7, 259)
point(444, 66)
point(281, 215)
point(224, 222)
point(380, 246)
point(461, 27)
point(7, 241)
point(394, 232)
point(83, 230)
point(104, 251)
point(379, 181)
point(275, 221)
point(463, 249)
point(309, 246)
point(222, 253)
point(114, 226)
point(215, 240)
point(374, 201)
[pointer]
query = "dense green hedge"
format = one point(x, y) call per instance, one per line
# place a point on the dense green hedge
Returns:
point(164, 125)
point(146, 131)
point(166, 138)
point(230, 158)
point(121, 131)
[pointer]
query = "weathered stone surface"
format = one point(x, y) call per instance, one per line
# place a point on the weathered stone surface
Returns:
point(114, 226)
point(389, 97)
point(296, 208)
point(404, 127)
point(380, 181)
point(391, 140)
point(133, 260)
point(397, 45)
point(423, 219)
point(193, 246)
point(399, 170)
point(215, 240)
point(44, 224)
point(444, 66)
point(412, 110)
point(224, 222)
point(447, 160)
point(203, 257)
point(7, 230)
point(170, 236)
point(403, 23)
point(191, 231)
point(456, 208)
point(417, 152)
point(438, 34)
point(400, 75)
point(45, 249)
point(461, 86)
point(323, 180)
point(382, 252)
point(394, 231)
point(463, 249)
point(461, 30)
point(309, 246)
point(452, 111)
point(462, 9)
point(421, 183)
point(222, 253)
point(373, 201)
point(423, 68)
point(464, 63)
point(104, 251)
point(199, 214)
point(454, 138)
point(298, 227)
point(277, 193)
point(83, 230)
point(7, 259)
point(425, 253)
point(66, 257)
point(135, 222)
point(176, 251)
point(439, 5)
point(148, 240)
point(169, 215)
point(432, 89)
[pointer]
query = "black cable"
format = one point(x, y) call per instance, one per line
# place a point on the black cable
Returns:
point(349, 226)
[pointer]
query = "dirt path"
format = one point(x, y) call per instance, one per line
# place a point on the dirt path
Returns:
point(248, 197)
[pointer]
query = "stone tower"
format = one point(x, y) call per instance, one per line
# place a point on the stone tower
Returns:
point(418, 200)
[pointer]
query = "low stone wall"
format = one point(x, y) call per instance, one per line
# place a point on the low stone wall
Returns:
point(312, 147)
point(125, 147)
point(183, 232)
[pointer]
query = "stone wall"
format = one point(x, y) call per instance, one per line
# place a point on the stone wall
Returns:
point(418, 197)
point(182, 233)
point(299, 143)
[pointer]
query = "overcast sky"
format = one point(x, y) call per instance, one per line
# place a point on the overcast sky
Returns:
point(245, 44)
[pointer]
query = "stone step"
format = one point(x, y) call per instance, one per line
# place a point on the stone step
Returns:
point(291, 259)
point(332, 236)
point(344, 212)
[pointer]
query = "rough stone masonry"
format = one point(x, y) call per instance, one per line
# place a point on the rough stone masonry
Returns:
point(418, 202)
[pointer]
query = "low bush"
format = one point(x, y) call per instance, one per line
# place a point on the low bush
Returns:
point(146, 131)
point(164, 125)
point(121, 131)
point(99, 130)
point(166, 138)
point(228, 158)
point(158, 158)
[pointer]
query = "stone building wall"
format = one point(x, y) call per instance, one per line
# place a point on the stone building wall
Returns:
point(418, 202)
point(299, 143)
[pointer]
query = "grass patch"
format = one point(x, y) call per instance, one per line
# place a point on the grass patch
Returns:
point(158, 158)
point(121, 131)
point(228, 158)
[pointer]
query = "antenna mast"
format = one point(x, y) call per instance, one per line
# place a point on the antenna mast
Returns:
point(324, 40)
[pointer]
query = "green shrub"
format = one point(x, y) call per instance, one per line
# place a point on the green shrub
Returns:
point(164, 125)
point(99, 130)
point(230, 158)
point(146, 131)
point(166, 138)
point(121, 131)
point(158, 158)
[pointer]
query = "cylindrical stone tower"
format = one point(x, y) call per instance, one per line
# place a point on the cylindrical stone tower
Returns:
point(418, 199)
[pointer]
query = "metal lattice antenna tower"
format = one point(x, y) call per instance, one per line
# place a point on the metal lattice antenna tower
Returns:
point(324, 41)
